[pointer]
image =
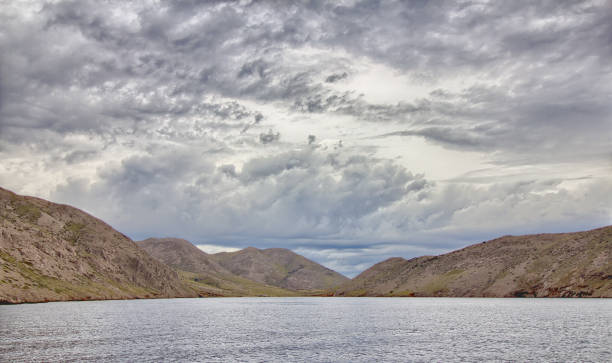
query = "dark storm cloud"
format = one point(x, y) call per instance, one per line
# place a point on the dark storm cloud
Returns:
point(156, 66)
point(336, 77)
point(449, 36)
point(134, 78)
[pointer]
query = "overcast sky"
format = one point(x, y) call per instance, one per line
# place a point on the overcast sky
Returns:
point(348, 131)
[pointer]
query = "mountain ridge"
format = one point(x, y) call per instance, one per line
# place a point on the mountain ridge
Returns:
point(277, 267)
point(198, 269)
point(55, 252)
point(280, 267)
point(577, 264)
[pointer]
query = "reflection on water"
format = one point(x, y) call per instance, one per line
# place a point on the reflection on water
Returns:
point(309, 329)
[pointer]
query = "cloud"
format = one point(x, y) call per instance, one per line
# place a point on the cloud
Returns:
point(298, 193)
point(153, 115)
point(216, 249)
point(269, 137)
point(336, 77)
point(354, 207)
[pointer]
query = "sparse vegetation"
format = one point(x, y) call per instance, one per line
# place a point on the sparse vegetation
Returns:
point(73, 231)
point(28, 212)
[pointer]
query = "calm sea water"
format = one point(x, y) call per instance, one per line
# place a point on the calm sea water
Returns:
point(309, 330)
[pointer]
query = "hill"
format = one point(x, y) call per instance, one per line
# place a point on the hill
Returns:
point(279, 267)
point(203, 273)
point(542, 265)
point(52, 252)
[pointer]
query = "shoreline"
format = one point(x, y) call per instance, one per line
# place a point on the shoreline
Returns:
point(44, 301)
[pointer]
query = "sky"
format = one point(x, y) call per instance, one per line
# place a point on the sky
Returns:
point(347, 131)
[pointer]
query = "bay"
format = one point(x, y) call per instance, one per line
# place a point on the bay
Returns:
point(309, 329)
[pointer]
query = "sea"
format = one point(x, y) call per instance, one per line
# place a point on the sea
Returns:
point(309, 329)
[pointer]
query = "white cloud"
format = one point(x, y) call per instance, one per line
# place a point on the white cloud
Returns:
point(216, 249)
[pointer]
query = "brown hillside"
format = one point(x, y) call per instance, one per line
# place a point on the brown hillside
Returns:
point(279, 267)
point(181, 254)
point(543, 265)
point(54, 252)
point(203, 273)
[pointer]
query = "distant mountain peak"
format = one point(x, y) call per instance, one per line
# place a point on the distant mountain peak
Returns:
point(280, 267)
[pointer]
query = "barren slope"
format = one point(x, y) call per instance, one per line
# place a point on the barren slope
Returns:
point(53, 252)
point(279, 267)
point(203, 273)
point(181, 254)
point(567, 265)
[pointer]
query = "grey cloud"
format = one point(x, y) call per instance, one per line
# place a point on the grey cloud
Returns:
point(209, 57)
point(336, 77)
point(272, 191)
point(109, 59)
point(263, 167)
point(229, 170)
point(358, 208)
point(159, 94)
point(269, 137)
point(325, 101)
point(80, 156)
point(258, 68)
point(256, 120)
point(486, 118)
point(402, 27)
point(448, 136)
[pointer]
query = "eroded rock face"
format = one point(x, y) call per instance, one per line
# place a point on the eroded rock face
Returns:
point(543, 265)
point(52, 252)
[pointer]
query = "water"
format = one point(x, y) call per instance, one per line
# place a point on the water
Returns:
point(309, 330)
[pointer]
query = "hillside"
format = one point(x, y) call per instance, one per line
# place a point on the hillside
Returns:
point(181, 254)
point(279, 267)
point(203, 273)
point(543, 265)
point(52, 252)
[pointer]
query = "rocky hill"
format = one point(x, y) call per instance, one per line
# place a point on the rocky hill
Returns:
point(181, 254)
point(203, 273)
point(279, 267)
point(543, 265)
point(52, 252)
